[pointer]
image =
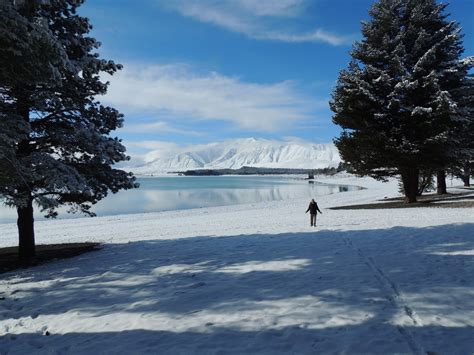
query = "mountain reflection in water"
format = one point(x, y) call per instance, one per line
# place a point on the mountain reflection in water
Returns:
point(183, 192)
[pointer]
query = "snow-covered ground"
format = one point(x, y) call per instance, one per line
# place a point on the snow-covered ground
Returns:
point(251, 279)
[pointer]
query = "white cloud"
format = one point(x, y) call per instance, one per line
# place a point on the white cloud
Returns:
point(315, 36)
point(271, 7)
point(157, 127)
point(260, 19)
point(178, 92)
point(152, 145)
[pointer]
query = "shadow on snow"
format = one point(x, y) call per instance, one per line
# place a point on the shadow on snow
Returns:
point(327, 290)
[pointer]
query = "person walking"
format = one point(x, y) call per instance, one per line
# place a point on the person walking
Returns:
point(313, 210)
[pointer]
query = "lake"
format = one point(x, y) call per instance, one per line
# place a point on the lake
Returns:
point(184, 192)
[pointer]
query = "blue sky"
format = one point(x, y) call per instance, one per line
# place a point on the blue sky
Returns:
point(199, 71)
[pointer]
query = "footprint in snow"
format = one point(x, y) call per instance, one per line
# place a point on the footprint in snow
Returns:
point(36, 344)
point(17, 308)
point(44, 330)
point(198, 284)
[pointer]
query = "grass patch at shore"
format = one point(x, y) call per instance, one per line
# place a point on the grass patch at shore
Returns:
point(44, 253)
point(457, 200)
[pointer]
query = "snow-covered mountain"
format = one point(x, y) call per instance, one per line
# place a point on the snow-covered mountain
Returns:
point(235, 154)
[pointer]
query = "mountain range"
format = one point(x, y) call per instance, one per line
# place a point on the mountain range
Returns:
point(234, 154)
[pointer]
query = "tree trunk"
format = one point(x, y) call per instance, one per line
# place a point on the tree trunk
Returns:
point(467, 175)
point(26, 232)
point(466, 180)
point(441, 180)
point(410, 183)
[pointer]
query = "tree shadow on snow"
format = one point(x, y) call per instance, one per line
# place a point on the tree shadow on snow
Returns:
point(358, 291)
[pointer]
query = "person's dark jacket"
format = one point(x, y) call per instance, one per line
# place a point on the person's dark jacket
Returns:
point(313, 208)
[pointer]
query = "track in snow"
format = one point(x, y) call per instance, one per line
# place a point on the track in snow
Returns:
point(392, 294)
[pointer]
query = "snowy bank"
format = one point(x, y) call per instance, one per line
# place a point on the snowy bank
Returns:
point(251, 279)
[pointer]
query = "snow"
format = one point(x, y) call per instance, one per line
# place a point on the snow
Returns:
point(234, 154)
point(252, 278)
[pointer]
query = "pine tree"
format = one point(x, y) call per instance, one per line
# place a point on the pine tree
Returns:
point(55, 144)
point(396, 101)
point(464, 166)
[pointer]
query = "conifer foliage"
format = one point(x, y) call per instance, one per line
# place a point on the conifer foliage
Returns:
point(400, 102)
point(55, 143)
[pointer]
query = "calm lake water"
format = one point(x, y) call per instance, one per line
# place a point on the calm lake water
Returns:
point(184, 192)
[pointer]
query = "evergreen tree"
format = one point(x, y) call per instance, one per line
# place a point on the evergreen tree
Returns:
point(55, 144)
point(464, 166)
point(395, 101)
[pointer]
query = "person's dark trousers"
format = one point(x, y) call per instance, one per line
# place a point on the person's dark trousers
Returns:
point(313, 219)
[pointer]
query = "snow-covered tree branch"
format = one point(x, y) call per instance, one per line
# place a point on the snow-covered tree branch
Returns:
point(55, 147)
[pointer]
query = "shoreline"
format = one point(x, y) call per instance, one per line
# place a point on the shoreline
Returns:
point(122, 226)
point(65, 216)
